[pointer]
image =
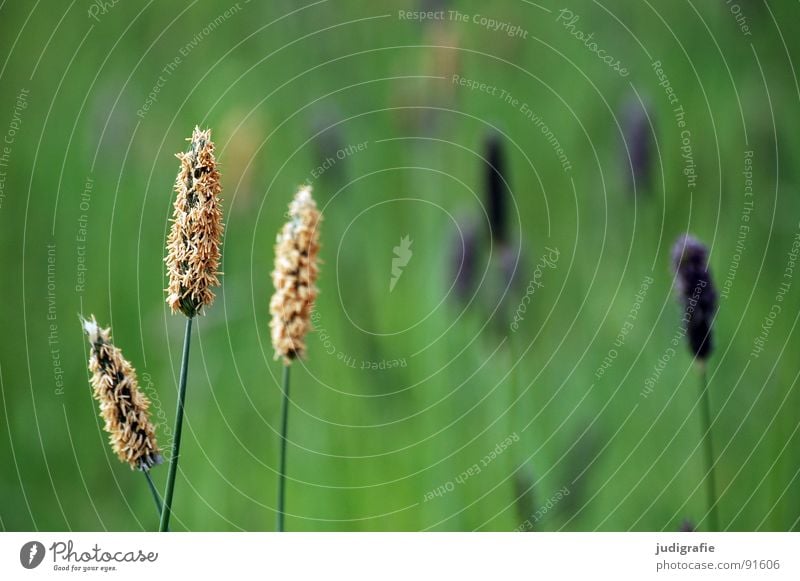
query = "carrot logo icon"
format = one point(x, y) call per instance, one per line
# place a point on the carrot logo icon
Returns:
point(402, 256)
point(31, 554)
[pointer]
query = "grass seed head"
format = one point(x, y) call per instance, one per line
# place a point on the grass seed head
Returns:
point(464, 258)
point(497, 190)
point(195, 239)
point(295, 276)
point(696, 293)
point(122, 405)
point(638, 158)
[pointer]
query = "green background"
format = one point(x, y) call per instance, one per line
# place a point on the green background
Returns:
point(283, 85)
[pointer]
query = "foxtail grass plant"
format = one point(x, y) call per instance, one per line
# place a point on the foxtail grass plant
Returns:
point(638, 158)
point(123, 406)
point(193, 256)
point(498, 199)
point(687, 526)
point(699, 300)
point(496, 188)
point(464, 251)
point(294, 277)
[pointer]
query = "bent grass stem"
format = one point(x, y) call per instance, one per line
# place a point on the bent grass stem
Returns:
point(153, 491)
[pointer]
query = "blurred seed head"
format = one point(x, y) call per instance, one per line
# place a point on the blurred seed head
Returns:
point(509, 263)
point(418, 104)
point(696, 293)
point(433, 5)
point(122, 405)
point(294, 277)
point(464, 256)
point(243, 147)
point(638, 151)
point(328, 142)
point(195, 239)
point(496, 188)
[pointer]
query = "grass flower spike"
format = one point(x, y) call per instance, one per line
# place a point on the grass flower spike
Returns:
point(193, 255)
point(638, 140)
point(696, 293)
point(496, 186)
point(195, 240)
point(699, 300)
point(122, 405)
point(295, 277)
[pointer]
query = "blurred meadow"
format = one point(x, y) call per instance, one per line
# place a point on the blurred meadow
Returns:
point(521, 380)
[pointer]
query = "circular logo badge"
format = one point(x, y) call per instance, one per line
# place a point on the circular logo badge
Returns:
point(31, 554)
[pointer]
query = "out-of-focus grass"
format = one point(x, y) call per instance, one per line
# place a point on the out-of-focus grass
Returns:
point(367, 445)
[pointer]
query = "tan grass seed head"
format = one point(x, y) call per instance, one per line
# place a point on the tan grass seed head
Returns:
point(123, 406)
point(295, 277)
point(195, 238)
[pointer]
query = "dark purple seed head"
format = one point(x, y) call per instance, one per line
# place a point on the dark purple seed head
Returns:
point(328, 145)
point(464, 250)
point(638, 153)
point(509, 263)
point(433, 5)
point(687, 526)
point(497, 192)
point(696, 293)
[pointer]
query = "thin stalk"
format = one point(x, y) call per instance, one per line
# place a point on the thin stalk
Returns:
point(711, 484)
point(515, 394)
point(153, 490)
point(515, 383)
point(284, 431)
point(522, 473)
point(176, 441)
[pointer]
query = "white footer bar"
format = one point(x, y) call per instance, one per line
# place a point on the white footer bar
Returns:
point(354, 556)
